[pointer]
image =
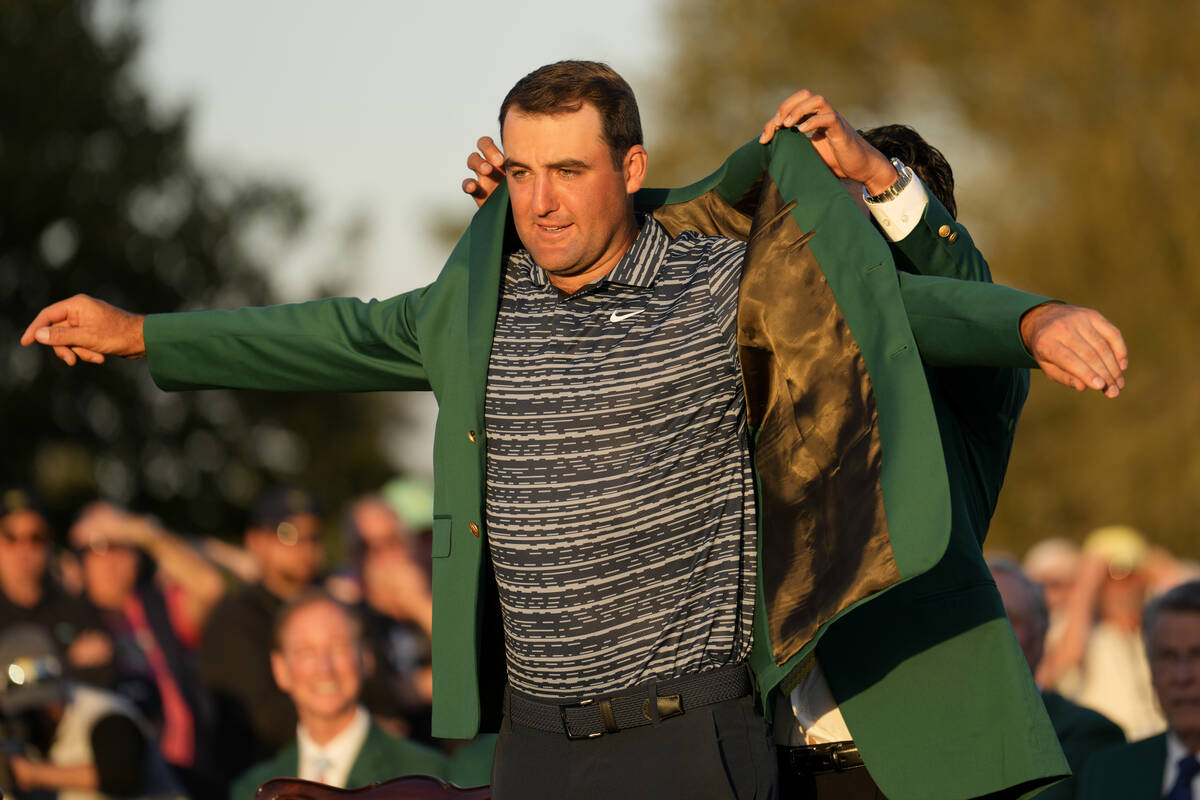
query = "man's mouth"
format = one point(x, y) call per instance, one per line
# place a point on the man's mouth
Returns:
point(554, 228)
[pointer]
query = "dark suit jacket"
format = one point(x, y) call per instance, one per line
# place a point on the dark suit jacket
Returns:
point(1129, 772)
point(854, 495)
point(382, 757)
point(1082, 733)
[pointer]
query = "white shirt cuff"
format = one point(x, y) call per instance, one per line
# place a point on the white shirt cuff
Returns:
point(900, 215)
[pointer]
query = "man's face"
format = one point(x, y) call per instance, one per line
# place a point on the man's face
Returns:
point(319, 663)
point(570, 204)
point(109, 574)
point(1173, 647)
point(24, 548)
point(291, 553)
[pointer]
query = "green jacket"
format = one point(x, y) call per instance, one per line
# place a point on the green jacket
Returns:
point(382, 757)
point(820, 308)
point(931, 674)
point(1130, 772)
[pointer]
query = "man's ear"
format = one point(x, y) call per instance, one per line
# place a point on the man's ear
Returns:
point(279, 669)
point(634, 168)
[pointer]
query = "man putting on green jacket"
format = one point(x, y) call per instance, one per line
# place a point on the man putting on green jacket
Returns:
point(617, 386)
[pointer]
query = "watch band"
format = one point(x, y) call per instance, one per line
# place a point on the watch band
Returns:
point(903, 179)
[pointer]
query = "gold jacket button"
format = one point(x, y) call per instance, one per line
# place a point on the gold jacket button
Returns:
point(944, 231)
point(474, 529)
point(471, 436)
point(953, 238)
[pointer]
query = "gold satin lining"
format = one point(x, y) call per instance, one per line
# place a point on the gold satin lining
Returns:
point(818, 455)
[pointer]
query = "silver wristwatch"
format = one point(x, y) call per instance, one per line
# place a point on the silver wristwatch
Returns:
point(905, 178)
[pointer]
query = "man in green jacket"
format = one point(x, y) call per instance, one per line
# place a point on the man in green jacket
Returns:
point(317, 660)
point(847, 462)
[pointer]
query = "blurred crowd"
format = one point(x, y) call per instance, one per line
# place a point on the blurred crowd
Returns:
point(142, 663)
point(1079, 613)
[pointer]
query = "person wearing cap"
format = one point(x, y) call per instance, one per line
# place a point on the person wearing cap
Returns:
point(1081, 731)
point(1099, 659)
point(28, 593)
point(253, 718)
point(83, 742)
point(319, 662)
point(1165, 765)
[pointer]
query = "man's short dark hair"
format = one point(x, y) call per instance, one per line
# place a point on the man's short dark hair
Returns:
point(1184, 598)
point(564, 87)
point(904, 143)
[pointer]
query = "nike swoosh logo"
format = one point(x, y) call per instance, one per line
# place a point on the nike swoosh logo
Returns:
point(621, 316)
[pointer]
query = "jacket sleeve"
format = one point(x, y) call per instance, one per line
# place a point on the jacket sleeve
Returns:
point(337, 344)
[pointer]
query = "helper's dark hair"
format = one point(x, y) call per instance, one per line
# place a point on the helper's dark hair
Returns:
point(904, 143)
point(564, 87)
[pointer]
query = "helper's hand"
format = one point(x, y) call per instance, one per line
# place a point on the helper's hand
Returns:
point(83, 327)
point(1076, 347)
point(840, 146)
point(488, 166)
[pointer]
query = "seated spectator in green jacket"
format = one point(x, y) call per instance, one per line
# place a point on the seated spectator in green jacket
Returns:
point(318, 662)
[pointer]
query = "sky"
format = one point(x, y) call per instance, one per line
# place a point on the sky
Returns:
point(371, 107)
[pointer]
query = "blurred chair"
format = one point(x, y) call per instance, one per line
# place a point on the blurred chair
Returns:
point(409, 787)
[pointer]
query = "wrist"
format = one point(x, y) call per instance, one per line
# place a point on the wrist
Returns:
point(887, 185)
point(883, 176)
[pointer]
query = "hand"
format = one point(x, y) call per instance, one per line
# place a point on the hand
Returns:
point(92, 648)
point(24, 772)
point(488, 169)
point(840, 146)
point(85, 328)
point(1076, 347)
point(102, 524)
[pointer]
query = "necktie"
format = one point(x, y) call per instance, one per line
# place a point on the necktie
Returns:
point(322, 763)
point(1182, 790)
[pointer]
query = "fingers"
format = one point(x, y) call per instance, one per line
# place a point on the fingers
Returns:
point(50, 315)
point(790, 111)
point(491, 152)
point(1078, 347)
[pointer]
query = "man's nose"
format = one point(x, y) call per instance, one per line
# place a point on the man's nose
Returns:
point(544, 198)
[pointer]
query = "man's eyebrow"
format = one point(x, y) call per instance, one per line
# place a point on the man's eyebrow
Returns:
point(566, 163)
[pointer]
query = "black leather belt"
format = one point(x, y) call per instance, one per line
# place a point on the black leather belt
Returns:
point(641, 705)
point(816, 759)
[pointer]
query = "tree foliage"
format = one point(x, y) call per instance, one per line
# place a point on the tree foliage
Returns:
point(1073, 129)
point(100, 194)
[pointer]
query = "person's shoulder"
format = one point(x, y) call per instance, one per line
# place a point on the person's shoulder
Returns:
point(1117, 771)
point(282, 765)
point(383, 756)
point(1069, 717)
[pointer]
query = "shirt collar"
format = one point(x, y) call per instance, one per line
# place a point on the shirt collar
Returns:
point(638, 267)
point(1175, 752)
point(341, 750)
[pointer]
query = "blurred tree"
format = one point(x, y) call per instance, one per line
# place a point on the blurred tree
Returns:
point(1073, 129)
point(99, 194)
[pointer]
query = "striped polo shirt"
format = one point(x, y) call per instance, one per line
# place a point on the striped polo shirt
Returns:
point(620, 500)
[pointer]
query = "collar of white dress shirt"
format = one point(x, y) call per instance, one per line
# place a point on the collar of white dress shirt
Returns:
point(1176, 751)
point(340, 751)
